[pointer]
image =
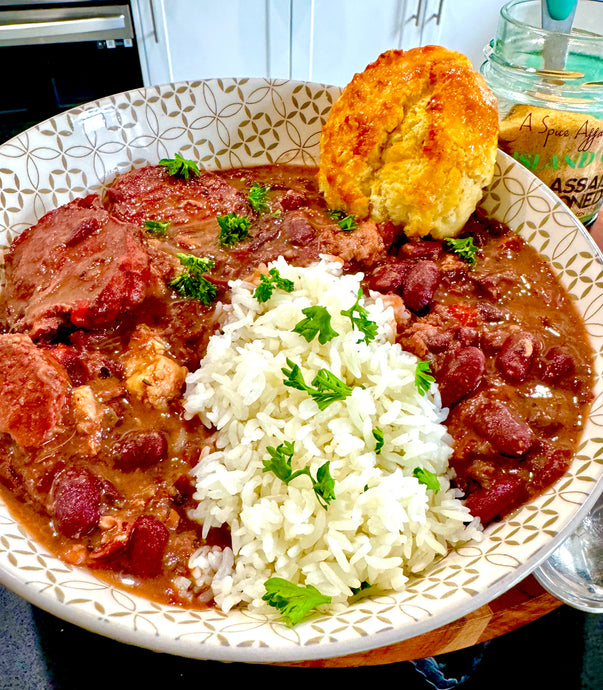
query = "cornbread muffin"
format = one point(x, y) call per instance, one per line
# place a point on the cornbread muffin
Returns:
point(412, 139)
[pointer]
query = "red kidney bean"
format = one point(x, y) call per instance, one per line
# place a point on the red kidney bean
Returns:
point(516, 356)
point(508, 434)
point(76, 501)
point(420, 284)
point(460, 374)
point(556, 364)
point(146, 546)
point(496, 500)
point(389, 277)
point(140, 449)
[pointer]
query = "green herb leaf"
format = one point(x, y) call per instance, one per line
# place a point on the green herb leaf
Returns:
point(317, 322)
point(327, 387)
point(180, 167)
point(257, 196)
point(358, 315)
point(346, 223)
point(324, 486)
point(233, 228)
point(293, 601)
point(157, 228)
point(464, 247)
point(378, 435)
point(268, 283)
point(280, 465)
point(430, 479)
point(191, 283)
point(423, 377)
point(280, 460)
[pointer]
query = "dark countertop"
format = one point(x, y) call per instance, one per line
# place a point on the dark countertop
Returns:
point(563, 649)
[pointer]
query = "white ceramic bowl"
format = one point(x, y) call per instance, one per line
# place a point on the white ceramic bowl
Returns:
point(225, 123)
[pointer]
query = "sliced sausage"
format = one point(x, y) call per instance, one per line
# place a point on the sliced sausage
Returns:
point(508, 434)
point(460, 374)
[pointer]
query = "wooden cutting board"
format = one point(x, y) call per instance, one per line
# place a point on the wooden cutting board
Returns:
point(522, 604)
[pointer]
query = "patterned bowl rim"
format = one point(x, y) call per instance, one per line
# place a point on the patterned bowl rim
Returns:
point(223, 637)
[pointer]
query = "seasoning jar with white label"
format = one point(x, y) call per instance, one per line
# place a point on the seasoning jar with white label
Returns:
point(549, 87)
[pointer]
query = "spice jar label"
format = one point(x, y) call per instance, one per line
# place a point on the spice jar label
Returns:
point(564, 149)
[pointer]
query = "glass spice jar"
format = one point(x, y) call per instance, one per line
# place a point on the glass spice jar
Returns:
point(550, 95)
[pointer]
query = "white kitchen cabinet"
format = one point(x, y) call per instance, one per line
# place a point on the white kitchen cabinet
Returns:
point(199, 39)
point(316, 40)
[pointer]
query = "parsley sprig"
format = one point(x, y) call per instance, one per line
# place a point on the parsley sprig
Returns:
point(358, 315)
point(423, 377)
point(156, 228)
point(280, 464)
point(464, 247)
point(257, 196)
point(270, 282)
point(191, 282)
point(325, 389)
point(430, 479)
point(317, 322)
point(293, 601)
point(233, 228)
point(346, 223)
point(180, 167)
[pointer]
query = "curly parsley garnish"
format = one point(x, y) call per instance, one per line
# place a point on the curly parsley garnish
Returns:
point(423, 377)
point(293, 601)
point(327, 388)
point(358, 315)
point(157, 228)
point(180, 167)
point(317, 322)
point(191, 282)
point(280, 464)
point(430, 479)
point(346, 223)
point(233, 228)
point(257, 196)
point(270, 282)
point(464, 247)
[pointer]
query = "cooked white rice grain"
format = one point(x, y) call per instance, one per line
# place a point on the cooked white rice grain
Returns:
point(383, 525)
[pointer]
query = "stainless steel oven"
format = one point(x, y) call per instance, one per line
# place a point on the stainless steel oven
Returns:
point(56, 55)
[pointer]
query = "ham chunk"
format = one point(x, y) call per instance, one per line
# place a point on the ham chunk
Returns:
point(151, 193)
point(76, 268)
point(35, 389)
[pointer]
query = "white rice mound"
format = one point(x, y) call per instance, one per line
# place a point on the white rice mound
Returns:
point(383, 524)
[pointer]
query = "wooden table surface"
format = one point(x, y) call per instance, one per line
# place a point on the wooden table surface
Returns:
point(525, 602)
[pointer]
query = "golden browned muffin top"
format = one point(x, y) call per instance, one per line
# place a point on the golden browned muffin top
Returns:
point(412, 139)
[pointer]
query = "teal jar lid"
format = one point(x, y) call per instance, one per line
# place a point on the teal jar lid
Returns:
point(516, 59)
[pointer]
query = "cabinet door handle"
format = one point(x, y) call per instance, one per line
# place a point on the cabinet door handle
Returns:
point(417, 15)
point(153, 23)
point(438, 15)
